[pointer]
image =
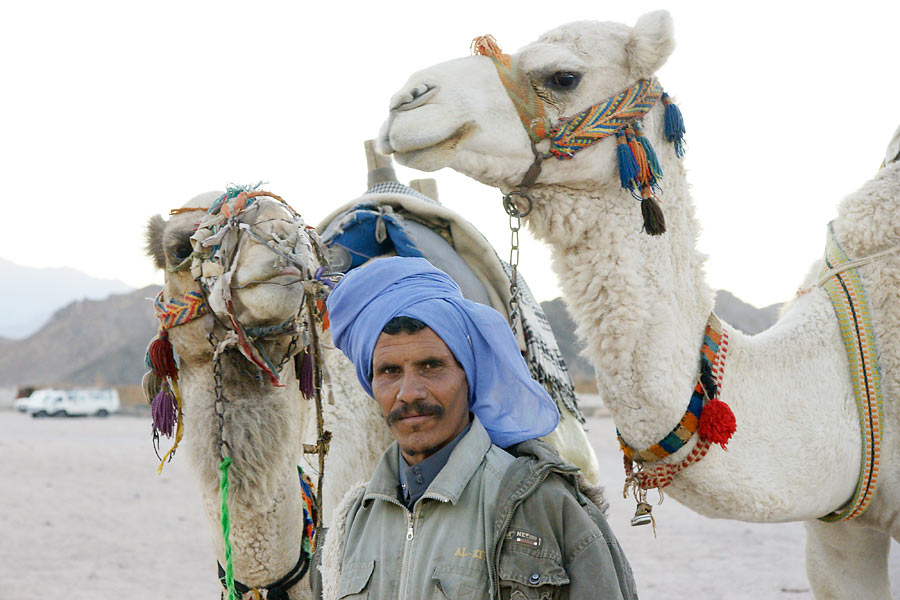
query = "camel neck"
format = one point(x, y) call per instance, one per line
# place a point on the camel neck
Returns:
point(640, 302)
point(262, 425)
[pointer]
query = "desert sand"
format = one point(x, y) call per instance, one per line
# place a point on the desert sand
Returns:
point(83, 515)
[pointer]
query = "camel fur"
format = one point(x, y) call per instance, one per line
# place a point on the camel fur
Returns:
point(264, 425)
point(641, 302)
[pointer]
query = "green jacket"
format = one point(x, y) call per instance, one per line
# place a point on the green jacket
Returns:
point(489, 526)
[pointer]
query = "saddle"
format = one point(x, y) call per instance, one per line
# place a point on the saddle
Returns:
point(393, 219)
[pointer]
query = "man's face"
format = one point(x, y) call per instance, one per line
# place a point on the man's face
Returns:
point(422, 391)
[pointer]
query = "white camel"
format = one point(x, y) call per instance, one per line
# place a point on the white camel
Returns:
point(641, 302)
point(264, 424)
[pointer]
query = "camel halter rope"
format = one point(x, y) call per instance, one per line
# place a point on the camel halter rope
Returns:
point(619, 115)
point(216, 244)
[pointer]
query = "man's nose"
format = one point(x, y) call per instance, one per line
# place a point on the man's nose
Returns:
point(411, 388)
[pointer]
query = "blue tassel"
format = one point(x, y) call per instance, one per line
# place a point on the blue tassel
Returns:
point(674, 125)
point(656, 171)
point(628, 167)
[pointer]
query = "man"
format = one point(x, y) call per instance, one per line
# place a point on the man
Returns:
point(448, 512)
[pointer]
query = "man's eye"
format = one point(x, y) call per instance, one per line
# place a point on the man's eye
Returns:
point(563, 80)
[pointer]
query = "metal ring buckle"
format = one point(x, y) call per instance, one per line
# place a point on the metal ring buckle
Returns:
point(510, 206)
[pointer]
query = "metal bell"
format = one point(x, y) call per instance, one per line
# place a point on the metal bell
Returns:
point(642, 515)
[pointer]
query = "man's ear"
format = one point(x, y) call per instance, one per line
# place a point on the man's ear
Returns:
point(650, 43)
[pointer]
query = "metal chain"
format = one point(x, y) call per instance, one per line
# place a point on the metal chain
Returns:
point(292, 348)
point(515, 223)
point(219, 406)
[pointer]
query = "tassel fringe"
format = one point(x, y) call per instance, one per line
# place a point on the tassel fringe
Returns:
point(717, 423)
point(674, 125)
point(628, 165)
point(162, 357)
point(307, 385)
point(654, 220)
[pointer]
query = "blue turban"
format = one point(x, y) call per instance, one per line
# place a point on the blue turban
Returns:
point(511, 405)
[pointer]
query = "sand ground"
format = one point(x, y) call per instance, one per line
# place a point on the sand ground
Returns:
point(83, 515)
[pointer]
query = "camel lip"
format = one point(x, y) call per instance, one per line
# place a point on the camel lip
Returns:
point(447, 143)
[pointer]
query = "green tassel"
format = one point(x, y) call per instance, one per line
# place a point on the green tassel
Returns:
point(226, 528)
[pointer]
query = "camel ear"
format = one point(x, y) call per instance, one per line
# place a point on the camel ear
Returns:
point(153, 238)
point(650, 43)
point(893, 151)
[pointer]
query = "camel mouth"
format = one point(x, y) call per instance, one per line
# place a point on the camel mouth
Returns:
point(288, 276)
point(412, 156)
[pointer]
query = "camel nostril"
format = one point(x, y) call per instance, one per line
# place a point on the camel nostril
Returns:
point(413, 98)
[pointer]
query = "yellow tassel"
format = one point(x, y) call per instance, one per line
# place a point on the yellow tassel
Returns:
point(179, 429)
point(486, 45)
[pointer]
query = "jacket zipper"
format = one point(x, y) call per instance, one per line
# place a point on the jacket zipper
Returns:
point(411, 518)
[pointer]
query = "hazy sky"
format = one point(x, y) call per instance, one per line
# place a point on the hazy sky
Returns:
point(114, 111)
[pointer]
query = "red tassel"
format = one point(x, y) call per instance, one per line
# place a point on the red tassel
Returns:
point(717, 423)
point(163, 358)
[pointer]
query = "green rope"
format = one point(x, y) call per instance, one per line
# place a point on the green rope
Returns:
point(226, 528)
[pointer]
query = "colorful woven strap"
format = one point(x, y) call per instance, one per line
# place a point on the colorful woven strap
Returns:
point(180, 309)
point(604, 119)
point(848, 297)
point(712, 359)
point(310, 512)
point(518, 87)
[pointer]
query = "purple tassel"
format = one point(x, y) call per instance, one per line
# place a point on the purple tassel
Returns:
point(307, 382)
point(163, 411)
point(320, 277)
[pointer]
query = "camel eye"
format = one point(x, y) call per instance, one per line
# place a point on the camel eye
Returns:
point(564, 80)
point(181, 251)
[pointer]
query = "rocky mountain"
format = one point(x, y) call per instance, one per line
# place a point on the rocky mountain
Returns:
point(743, 316)
point(737, 313)
point(30, 296)
point(102, 342)
point(88, 342)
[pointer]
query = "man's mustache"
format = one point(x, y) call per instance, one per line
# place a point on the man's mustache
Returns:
point(418, 408)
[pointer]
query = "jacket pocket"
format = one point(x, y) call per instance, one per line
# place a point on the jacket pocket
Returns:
point(460, 583)
point(354, 579)
point(526, 577)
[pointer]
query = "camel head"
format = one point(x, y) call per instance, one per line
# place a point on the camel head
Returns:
point(247, 253)
point(458, 114)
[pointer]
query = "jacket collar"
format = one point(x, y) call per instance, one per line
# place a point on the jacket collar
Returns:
point(449, 484)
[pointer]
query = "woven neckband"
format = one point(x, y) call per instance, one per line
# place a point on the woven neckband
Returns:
point(716, 425)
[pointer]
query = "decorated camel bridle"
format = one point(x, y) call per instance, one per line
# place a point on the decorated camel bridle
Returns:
point(216, 245)
point(707, 417)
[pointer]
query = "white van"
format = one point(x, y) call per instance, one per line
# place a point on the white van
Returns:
point(69, 403)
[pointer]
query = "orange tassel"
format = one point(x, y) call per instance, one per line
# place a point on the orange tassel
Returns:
point(640, 156)
point(486, 45)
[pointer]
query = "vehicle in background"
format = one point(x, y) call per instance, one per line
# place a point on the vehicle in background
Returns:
point(69, 403)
